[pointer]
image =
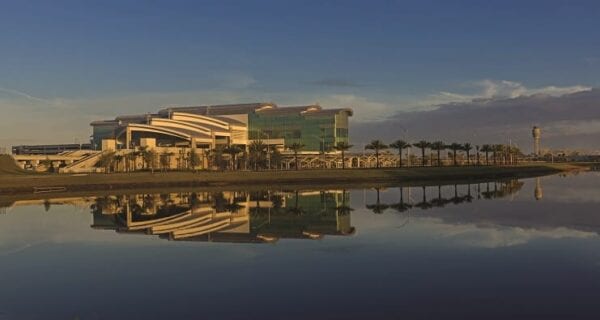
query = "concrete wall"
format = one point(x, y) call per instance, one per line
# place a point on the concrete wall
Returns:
point(109, 144)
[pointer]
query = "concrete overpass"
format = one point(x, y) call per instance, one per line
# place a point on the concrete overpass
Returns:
point(34, 161)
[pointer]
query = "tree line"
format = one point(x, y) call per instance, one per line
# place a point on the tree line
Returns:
point(500, 153)
point(260, 156)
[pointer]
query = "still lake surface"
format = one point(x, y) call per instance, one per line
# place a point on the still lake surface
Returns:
point(503, 249)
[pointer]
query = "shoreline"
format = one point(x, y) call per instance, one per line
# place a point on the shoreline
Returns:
point(26, 183)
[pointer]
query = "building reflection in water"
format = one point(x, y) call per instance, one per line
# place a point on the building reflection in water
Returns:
point(538, 193)
point(261, 216)
point(264, 216)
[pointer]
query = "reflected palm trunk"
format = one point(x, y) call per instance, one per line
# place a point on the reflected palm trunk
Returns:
point(424, 204)
point(439, 201)
point(468, 197)
point(378, 207)
point(401, 206)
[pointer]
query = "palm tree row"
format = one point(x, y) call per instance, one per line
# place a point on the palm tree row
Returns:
point(499, 152)
point(259, 156)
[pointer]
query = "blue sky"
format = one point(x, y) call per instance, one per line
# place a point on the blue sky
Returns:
point(85, 59)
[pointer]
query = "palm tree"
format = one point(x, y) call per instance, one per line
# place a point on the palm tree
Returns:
point(296, 147)
point(129, 160)
point(467, 147)
point(232, 151)
point(376, 145)
point(165, 160)
point(422, 145)
point(118, 159)
point(134, 158)
point(275, 158)
point(149, 157)
point(400, 145)
point(106, 161)
point(495, 149)
point(343, 147)
point(454, 147)
point(477, 148)
point(142, 152)
point(257, 153)
point(438, 146)
point(194, 159)
point(487, 149)
point(514, 154)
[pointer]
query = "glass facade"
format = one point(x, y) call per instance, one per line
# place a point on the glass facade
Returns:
point(318, 132)
point(102, 132)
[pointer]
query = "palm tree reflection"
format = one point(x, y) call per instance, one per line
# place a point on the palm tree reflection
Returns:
point(500, 189)
point(377, 207)
point(343, 209)
point(401, 206)
point(439, 201)
point(424, 204)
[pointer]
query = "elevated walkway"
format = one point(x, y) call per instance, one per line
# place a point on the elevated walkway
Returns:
point(85, 164)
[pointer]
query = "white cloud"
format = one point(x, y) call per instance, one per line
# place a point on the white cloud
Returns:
point(492, 89)
point(23, 95)
point(364, 108)
point(12, 94)
point(501, 89)
point(497, 236)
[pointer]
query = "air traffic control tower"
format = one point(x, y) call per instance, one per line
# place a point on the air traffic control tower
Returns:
point(537, 135)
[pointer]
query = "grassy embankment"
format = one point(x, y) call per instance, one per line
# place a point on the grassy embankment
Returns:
point(13, 180)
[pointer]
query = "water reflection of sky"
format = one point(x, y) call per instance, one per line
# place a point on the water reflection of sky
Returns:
point(512, 256)
point(515, 219)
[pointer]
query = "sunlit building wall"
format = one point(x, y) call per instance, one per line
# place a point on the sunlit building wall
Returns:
point(206, 127)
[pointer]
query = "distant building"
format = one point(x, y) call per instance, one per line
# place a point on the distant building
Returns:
point(49, 149)
point(205, 127)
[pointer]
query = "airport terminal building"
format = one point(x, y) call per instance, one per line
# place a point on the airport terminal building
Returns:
point(206, 127)
point(176, 133)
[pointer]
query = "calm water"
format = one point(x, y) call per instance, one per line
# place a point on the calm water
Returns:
point(505, 249)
